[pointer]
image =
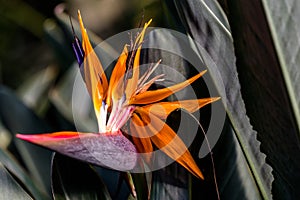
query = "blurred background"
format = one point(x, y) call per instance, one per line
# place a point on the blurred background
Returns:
point(28, 29)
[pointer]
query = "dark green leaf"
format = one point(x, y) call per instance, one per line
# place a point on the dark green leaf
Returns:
point(16, 11)
point(170, 183)
point(284, 25)
point(212, 43)
point(72, 179)
point(127, 178)
point(216, 10)
point(9, 188)
point(140, 182)
point(115, 184)
point(267, 53)
point(19, 119)
point(18, 172)
point(56, 39)
point(234, 177)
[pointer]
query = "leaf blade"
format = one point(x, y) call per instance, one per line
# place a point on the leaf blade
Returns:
point(85, 185)
point(9, 188)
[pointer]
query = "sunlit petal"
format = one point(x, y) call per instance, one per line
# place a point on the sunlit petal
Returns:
point(139, 135)
point(94, 75)
point(163, 109)
point(168, 142)
point(152, 96)
point(116, 84)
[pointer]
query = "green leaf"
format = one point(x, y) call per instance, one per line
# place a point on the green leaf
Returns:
point(214, 46)
point(19, 119)
point(284, 26)
point(55, 37)
point(235, 179)
point(140, 182)
point(16, 11)
point(72, 179)
point(116, 185)
point(170, 182)
point(266, 42)
point(19, 172)
point(9, 188)
point(282, 18)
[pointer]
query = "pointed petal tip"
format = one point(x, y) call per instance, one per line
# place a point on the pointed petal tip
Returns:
point(79, 14)
point(203, 72)
point(148, 23)
point(21, 136)
point(215, 99)
point(28, 138)
point(80, 21)
point(199, 175)
point(47, 137)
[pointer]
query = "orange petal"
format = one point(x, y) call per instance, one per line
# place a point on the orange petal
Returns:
point(143, 144)
point(163, 109)
point(94, 75)
point(116, 84)
point(139, 133)
point(168, 141)
point(152, 96)
point(133, 81)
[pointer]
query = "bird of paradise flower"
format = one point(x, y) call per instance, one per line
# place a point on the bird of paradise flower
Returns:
point(125, 98)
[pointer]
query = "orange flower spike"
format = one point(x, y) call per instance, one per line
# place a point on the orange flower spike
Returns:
point(115, 103)
point(133, 81)
point(94, 75)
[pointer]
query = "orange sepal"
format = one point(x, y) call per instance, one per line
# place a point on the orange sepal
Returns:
point(116, 83)
point(140, 136)
point(163, 109)
point(152, 96)
point(168, 142)
point(94, 75)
